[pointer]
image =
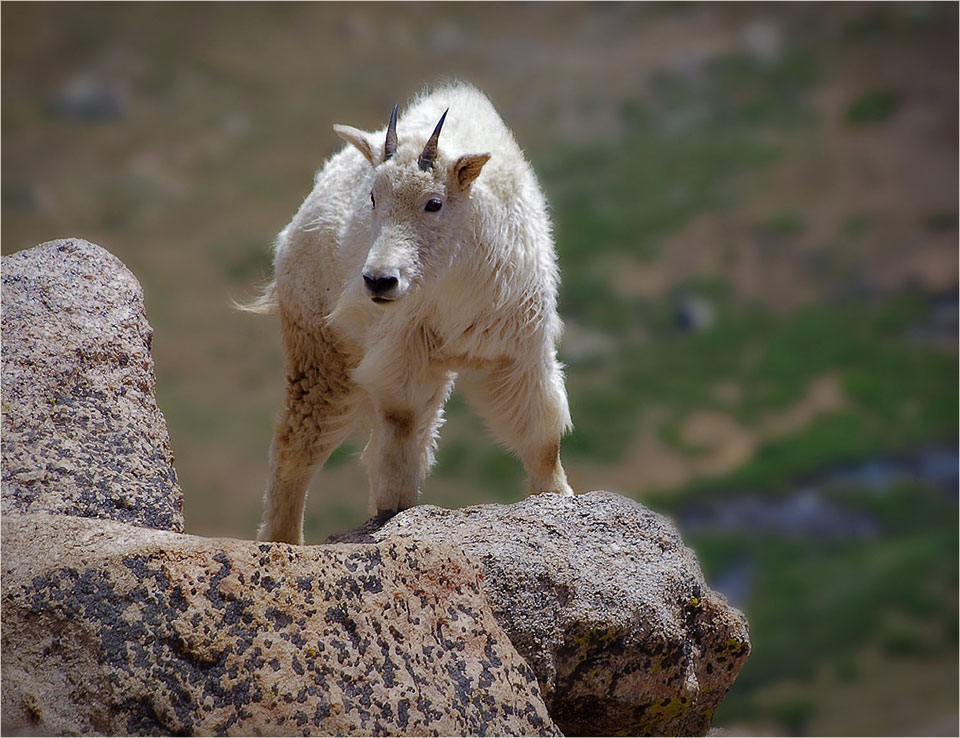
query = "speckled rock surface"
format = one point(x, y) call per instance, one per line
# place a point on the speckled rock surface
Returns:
point(607, 605)
point(118, 630)
point(82, 433)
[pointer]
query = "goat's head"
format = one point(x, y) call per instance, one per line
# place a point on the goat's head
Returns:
point(419, 200)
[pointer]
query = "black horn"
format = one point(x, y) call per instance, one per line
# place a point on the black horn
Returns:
point(390, 145)
point(429, 152)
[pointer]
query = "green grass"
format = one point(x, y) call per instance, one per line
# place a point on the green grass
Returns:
point(899, 394)
point(875, 23)
point(874, 106)
point(784, 225)
point(816, 603)
point(680, 155)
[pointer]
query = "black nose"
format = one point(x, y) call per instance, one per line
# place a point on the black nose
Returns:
point(379, 285)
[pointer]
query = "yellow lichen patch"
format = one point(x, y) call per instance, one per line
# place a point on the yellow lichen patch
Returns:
point(668, 709)
point(595, 636)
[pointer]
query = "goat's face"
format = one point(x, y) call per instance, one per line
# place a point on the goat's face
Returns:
point(419, 207)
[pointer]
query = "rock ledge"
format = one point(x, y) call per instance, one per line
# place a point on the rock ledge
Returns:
point(605, 603)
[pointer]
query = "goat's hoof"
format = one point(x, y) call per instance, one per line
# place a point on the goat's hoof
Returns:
point(383, 516)
point(564, 491)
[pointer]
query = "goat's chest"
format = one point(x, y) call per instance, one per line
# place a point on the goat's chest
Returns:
point(478, 347)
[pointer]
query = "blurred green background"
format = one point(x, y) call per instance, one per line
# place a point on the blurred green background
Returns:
point(756, 216)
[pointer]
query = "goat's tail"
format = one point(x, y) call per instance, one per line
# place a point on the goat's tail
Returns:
point(263, 304)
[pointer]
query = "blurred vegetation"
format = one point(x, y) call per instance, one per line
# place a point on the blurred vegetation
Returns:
point(873, 106)
point(753, 204)
point(820, 604)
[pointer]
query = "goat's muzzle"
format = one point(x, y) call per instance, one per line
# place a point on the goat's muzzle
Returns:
point(381, 287)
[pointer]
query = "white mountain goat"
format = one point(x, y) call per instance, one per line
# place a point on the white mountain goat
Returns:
point(412, 258)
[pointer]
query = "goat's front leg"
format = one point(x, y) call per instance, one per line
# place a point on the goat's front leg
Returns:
point(402, 441)
point(394, 464)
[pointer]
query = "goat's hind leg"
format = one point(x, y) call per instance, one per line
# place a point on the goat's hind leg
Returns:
point(317, 419)
point(526, 407)
point(292, 464)
point(295, 456)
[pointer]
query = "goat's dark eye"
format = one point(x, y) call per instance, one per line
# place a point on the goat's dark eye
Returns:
point(373, 203)
point(433, 205)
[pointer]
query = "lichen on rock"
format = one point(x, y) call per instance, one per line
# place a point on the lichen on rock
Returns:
point(605, 602)
point(128, 631)
point(583, 614)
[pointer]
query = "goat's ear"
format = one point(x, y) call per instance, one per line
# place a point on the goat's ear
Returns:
point(360, 140)
point(467, 168)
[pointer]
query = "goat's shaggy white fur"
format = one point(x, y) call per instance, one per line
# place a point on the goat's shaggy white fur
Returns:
point(473, 285)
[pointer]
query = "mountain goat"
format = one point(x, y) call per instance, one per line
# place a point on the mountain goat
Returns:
point(413, 258)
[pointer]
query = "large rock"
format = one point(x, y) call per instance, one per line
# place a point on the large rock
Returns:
point(119, 630)
point(607, 605)
point(116, 623)
point(82, 433)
